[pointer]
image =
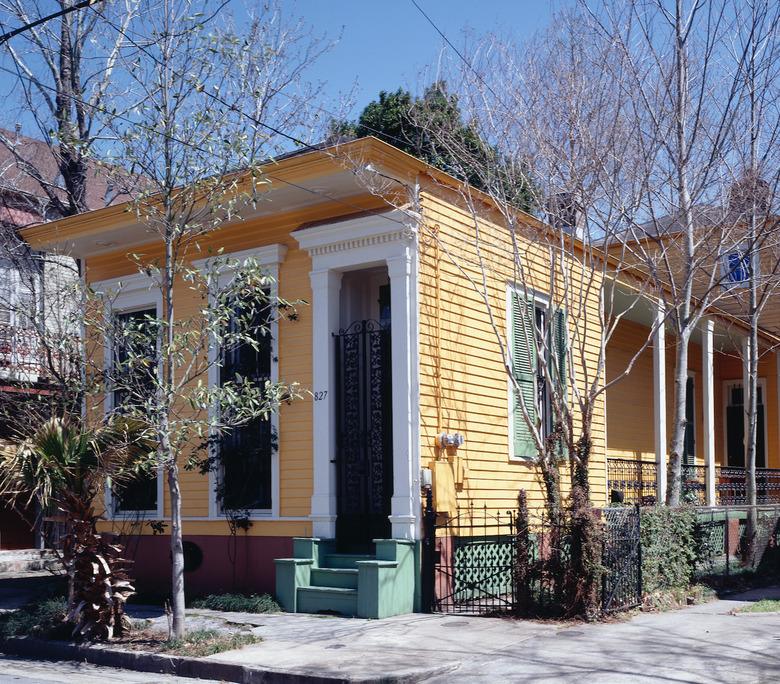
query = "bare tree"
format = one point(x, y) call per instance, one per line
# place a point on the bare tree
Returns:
point(212, 105)
point(686, 90)
point(753, 198)
point(556, 112)
point(66, 73)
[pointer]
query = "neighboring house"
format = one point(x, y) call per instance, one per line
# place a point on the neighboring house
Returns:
point(399, 353)
point(714, 450)
point(36, 305)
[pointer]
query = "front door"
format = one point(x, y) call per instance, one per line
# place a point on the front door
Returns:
point(364, 430)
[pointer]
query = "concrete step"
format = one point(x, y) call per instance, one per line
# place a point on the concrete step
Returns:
point(335, 577)
point(327, 600)
point(25, 560)
point(345, 560)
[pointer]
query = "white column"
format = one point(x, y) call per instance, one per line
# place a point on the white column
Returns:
point(405, 504)
point(659, 399)
point(745, 398)
point(708, 407)
point(325, 286)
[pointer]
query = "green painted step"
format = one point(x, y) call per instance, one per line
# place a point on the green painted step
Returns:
point(334, 577)
point(345, 560)
point(327, 600)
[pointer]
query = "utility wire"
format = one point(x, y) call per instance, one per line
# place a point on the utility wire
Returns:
point(86, 3)
point(299, 142)
point(457, 52)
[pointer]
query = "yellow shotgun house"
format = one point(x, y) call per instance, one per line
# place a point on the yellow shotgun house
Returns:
point(403, 350)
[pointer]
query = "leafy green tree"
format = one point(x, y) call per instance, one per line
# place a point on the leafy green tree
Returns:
point(432, 128)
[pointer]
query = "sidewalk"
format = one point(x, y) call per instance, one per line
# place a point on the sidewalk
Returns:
point(707, 643)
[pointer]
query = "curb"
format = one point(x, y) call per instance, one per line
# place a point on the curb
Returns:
point(196, 668)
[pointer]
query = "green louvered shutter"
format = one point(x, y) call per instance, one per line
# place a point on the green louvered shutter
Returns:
point(559, 350)
point(559, 356)
point(523, 358)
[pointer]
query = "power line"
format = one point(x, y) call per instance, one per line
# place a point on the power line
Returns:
point(86, 3)
point(457, 52)
point(299, 142)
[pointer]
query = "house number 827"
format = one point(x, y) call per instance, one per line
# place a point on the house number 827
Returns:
point(319, 396)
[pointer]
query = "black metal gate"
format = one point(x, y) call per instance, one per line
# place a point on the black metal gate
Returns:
point(365, 445)
point(622, 579)
point(468, 565)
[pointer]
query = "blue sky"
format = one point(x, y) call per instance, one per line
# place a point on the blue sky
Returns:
point(387, 45)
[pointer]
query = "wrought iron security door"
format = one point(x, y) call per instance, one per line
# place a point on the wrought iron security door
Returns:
point(365, 444)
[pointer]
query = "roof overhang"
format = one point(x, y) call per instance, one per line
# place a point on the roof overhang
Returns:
point(317, 177)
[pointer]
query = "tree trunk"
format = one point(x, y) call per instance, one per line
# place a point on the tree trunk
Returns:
point(177, 549)
point(683, 308)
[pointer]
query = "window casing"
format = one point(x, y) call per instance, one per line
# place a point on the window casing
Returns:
point(532, 320)
point(133, 309)
point(269, 258)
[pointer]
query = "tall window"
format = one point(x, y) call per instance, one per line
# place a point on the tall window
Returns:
point(245, 452)
point(134, 371)
point(532, 323)
point(689, 441)
point(19, 342)
point(735, 424)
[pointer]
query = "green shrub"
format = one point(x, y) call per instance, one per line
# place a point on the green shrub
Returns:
point(669, 547)
point(45, 619)
point(238, 603)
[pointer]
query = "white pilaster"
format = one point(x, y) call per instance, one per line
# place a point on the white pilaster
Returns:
point(708, 407)
point(325, 285)
point(659, 399)
point(406, 466)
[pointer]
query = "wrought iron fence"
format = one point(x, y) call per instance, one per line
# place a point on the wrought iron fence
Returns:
point(621, 581)
point(637, 482)
point(468, 560)
point(20, 351)
point(721, 547)
point(694, 484)
point(731, 486)
point(481, 561)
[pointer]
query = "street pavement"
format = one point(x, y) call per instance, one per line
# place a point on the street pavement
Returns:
point(710, 643)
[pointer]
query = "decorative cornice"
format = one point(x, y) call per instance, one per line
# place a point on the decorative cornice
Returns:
point(406, 234)
point(358, 233)
point(270, 255)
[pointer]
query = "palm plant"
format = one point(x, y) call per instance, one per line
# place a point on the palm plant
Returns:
point(62, 467)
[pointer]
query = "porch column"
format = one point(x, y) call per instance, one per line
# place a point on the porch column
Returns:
point(325, 285)
point(405, 504)
point(708, 407)
point(659, 399)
